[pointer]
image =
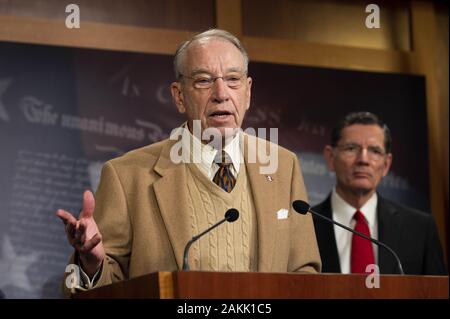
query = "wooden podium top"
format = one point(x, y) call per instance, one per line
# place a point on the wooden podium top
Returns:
point(234, 285)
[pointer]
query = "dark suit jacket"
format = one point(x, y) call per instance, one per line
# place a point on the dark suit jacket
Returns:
point(410, 233)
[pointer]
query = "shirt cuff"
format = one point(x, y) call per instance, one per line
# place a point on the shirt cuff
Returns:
point(86, 282)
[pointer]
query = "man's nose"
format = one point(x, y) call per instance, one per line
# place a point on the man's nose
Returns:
point(363, 155)
point(220, 90)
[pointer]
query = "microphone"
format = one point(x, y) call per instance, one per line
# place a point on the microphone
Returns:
point(303, 207)
point(231, 215)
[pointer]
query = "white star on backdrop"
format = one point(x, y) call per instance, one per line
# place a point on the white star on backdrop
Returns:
point(13, 267)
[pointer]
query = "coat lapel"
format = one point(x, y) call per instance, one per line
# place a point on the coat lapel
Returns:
point(171, 194)
point(264, 191)
point(389, 232)
point(326, 238)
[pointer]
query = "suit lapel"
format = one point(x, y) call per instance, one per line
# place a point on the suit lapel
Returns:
point(389, 231)
point(264, 191)
point(171, 194)
point(326, 238)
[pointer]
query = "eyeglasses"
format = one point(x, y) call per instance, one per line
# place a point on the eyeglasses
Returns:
point(352, 150)
point(206, 81)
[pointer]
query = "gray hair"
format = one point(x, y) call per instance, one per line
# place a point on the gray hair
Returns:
point(211, 33)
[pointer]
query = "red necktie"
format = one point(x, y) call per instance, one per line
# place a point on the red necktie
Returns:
point(362, 250)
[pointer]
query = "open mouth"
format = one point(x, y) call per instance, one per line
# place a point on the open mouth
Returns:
point(220, 114)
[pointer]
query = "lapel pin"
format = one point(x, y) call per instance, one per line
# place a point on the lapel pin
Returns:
point(269, 178)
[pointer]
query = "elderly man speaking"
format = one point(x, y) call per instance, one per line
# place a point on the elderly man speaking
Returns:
point(148, 205)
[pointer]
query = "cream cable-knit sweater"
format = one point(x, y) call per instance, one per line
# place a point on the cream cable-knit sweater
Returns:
point(231, 246)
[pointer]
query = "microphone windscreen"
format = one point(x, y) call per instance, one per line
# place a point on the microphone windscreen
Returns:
point(232, 215)
point(301, 207)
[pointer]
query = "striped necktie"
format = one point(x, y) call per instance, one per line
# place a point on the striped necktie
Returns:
point(224, 178)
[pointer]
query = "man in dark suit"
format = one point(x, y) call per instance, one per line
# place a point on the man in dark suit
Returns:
point(360, 155)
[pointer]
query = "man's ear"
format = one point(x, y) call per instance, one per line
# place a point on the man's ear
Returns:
point(328, 153)
point(387, 164)
point(177, 96)
point(249, 92)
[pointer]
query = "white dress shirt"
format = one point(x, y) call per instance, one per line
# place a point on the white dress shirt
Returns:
point(343, 212)
point(208, 153)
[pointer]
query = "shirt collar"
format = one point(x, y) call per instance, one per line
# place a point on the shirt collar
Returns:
point(233, 149)
point(343, 212)
point(208, 153)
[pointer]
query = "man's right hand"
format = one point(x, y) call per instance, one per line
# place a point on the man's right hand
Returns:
point(84, 236)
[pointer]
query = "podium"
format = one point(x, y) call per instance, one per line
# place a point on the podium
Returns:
point(235, 285)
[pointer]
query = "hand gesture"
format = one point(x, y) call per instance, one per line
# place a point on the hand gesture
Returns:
point(84, 236)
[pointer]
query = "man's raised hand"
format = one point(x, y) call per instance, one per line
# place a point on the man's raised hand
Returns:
point(84, 236)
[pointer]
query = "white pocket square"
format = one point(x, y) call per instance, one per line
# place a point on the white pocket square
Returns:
point(282, 213)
